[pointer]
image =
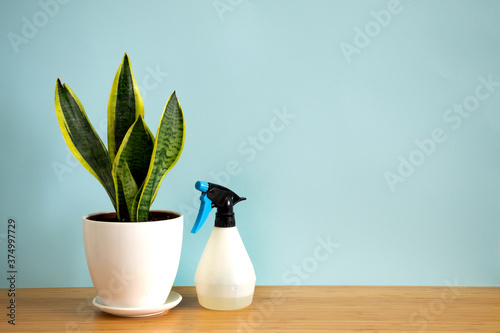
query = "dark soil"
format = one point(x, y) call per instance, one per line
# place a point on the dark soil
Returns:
point(153, 216)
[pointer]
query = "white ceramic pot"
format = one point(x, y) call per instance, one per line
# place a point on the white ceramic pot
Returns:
point(133, 264)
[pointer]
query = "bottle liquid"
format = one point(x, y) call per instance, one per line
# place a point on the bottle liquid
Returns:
point(225, 278)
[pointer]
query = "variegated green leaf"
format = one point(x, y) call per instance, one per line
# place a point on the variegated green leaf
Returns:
point(124, 106)
point(135, 203)
point(129, 189)
point(122, 211)
point(81, 137)
point(134, 154)
point(167, 150)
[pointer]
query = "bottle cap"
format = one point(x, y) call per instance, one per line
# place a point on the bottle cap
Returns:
point(213, 195)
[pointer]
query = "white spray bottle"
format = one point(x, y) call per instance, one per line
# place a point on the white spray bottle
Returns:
point(225, 278)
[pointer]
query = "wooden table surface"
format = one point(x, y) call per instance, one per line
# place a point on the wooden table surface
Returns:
point(274, 309)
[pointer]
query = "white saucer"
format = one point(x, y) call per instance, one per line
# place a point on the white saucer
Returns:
point(172, 300)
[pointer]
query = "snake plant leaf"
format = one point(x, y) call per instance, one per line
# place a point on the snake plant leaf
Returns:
point(133, 158)
point(81, 137)
point(130, 190)
point(167, 150)
point(122, 211)
point(124, 106)
point(135, 203)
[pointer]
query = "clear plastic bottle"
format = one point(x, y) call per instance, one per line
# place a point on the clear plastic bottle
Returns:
point(225, 277)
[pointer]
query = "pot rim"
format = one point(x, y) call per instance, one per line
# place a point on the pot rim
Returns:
point(89, 216)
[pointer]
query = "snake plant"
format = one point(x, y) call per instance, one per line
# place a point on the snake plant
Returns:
point(133, 166)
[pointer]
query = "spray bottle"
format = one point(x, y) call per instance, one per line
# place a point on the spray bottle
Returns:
point(225, 278)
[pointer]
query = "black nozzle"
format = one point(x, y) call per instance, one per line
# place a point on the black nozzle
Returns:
point(223, 199)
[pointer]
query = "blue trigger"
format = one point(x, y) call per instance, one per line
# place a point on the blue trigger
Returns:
point(205, 208)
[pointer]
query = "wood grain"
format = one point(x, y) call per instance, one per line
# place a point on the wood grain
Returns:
point(274, 309)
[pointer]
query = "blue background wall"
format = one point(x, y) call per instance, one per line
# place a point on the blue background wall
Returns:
point(366, 135)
